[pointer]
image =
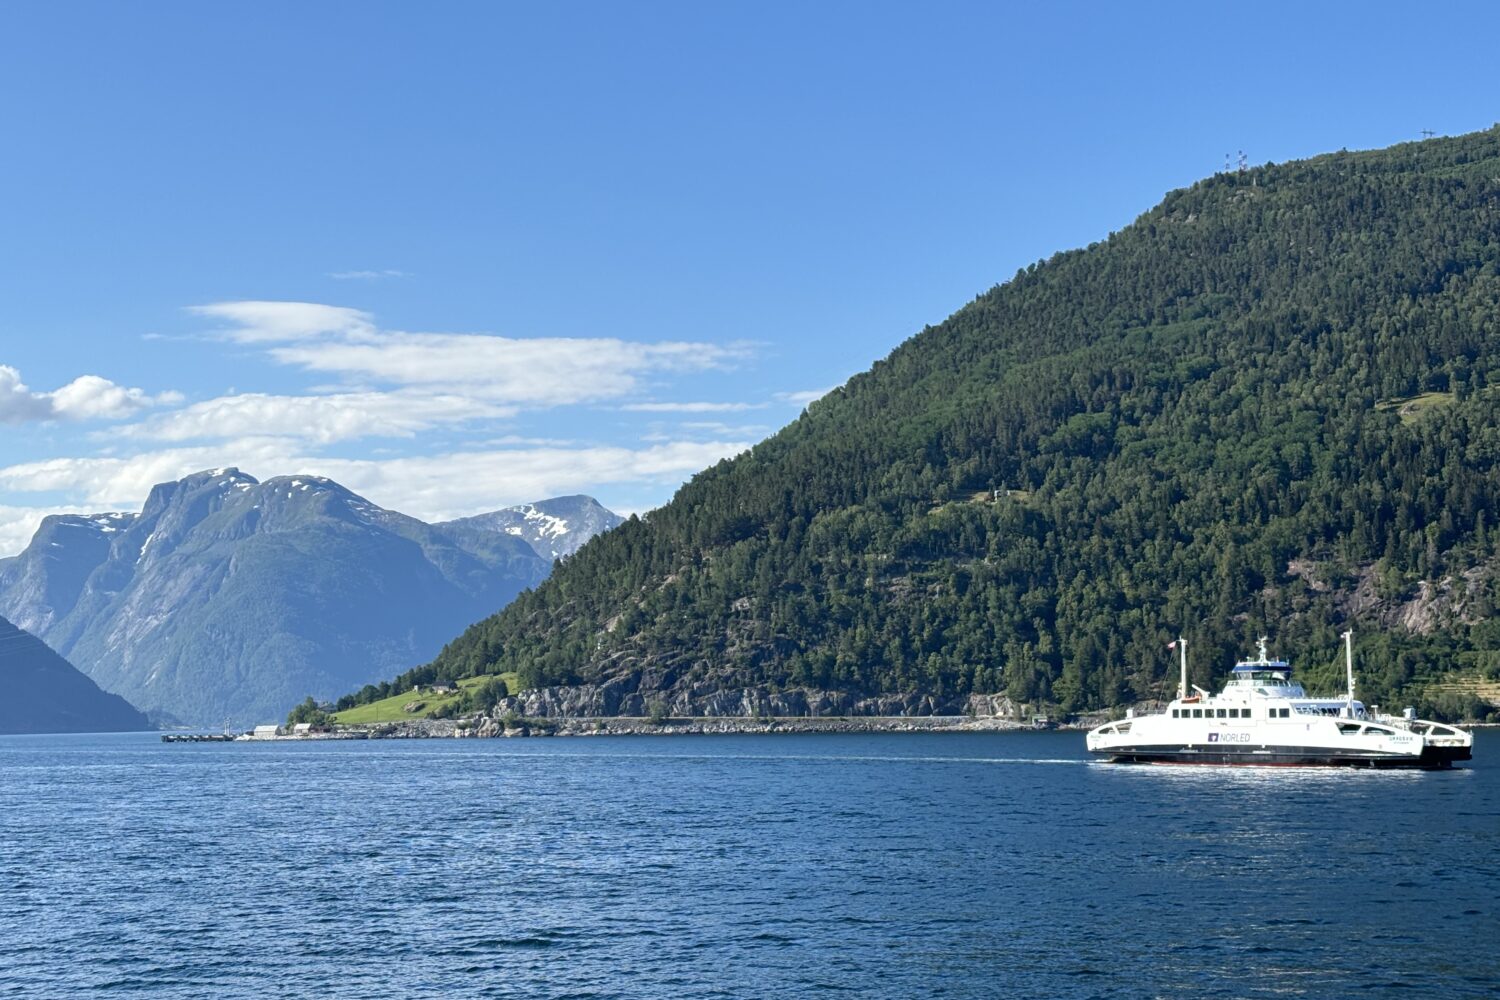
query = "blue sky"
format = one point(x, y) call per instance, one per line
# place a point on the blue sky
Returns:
point(459, 256)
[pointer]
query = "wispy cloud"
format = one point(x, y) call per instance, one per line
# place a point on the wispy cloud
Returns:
point(803, 397)
point(18, 524)
point(88, 397)
point(454, 399)
point(535, 371)
point(367, 275)
point(433, 487)
point(323, 419)
point(723, 429)
point(258, 322)
point(690, 407)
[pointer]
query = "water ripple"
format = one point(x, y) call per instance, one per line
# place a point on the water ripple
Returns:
point(896, 865)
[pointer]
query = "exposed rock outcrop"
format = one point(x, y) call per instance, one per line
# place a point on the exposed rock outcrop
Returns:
point(623, 697)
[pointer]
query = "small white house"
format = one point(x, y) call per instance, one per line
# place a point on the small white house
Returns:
point(266, 732)
point(302, 729)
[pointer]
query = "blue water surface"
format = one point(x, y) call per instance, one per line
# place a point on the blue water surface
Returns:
point(893, 865)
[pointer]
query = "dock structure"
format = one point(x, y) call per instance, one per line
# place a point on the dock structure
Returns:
point(226, 735)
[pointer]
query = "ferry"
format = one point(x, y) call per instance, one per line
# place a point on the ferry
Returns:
point(1264, 717)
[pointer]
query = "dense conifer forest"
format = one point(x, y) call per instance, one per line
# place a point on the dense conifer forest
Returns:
point(1269, 406)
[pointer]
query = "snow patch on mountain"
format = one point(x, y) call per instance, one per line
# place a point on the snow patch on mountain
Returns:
point(555, 528)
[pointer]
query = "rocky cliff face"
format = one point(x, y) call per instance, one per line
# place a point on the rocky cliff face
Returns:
point(45, 694)
point(623, 697)
point(229, 597)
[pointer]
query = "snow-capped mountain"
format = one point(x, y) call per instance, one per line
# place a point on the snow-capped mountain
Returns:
point(555, 528)
point(229, 597)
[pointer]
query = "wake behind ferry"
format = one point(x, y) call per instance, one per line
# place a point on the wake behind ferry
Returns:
point(1264, 717)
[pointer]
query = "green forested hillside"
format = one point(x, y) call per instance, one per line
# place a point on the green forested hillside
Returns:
point(1269, 405)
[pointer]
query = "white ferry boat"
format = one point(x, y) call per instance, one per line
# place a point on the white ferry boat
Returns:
point(1264, 717)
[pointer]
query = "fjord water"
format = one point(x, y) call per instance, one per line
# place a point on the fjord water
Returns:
point(739, 866)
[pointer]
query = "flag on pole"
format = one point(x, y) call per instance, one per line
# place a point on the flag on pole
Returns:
point(1172, 644)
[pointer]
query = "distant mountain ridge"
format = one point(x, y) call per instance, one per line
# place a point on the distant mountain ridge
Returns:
point(555, 528)
point(230, 597)
point(44, 693)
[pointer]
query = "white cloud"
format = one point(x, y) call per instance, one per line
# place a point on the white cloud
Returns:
point(537, 371)
point(723, 429)
point(441, 487)
point(18, 524)
point(90, 397)
point(805, 396)
point(367, 275)
point(123, 483)
point(388, 384)
point(279, 322)
point(436, 487)
point(19, 404)
point(690, 407)
point(87, 397)
point(323, 419)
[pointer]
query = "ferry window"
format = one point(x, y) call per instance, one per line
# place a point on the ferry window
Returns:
point(1176, 712)
point(1223, 713)
point(1284, 713)
point(1237, 713)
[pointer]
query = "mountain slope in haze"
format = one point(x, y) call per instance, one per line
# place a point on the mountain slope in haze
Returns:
point(555, 528)
point(45, 694)
point(1269, 405)
point(227, 597)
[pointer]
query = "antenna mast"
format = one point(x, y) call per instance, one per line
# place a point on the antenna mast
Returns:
point(1349, 669)
point(1182, 685)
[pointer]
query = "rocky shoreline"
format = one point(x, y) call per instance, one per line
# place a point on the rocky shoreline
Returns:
point(622, 707)
point(494, 728)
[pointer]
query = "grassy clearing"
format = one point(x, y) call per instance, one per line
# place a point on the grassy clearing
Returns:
point(393, 709)
point(1412, 408)
point(1484, 690)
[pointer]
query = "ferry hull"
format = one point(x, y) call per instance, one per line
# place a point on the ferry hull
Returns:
point(1430, 758)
